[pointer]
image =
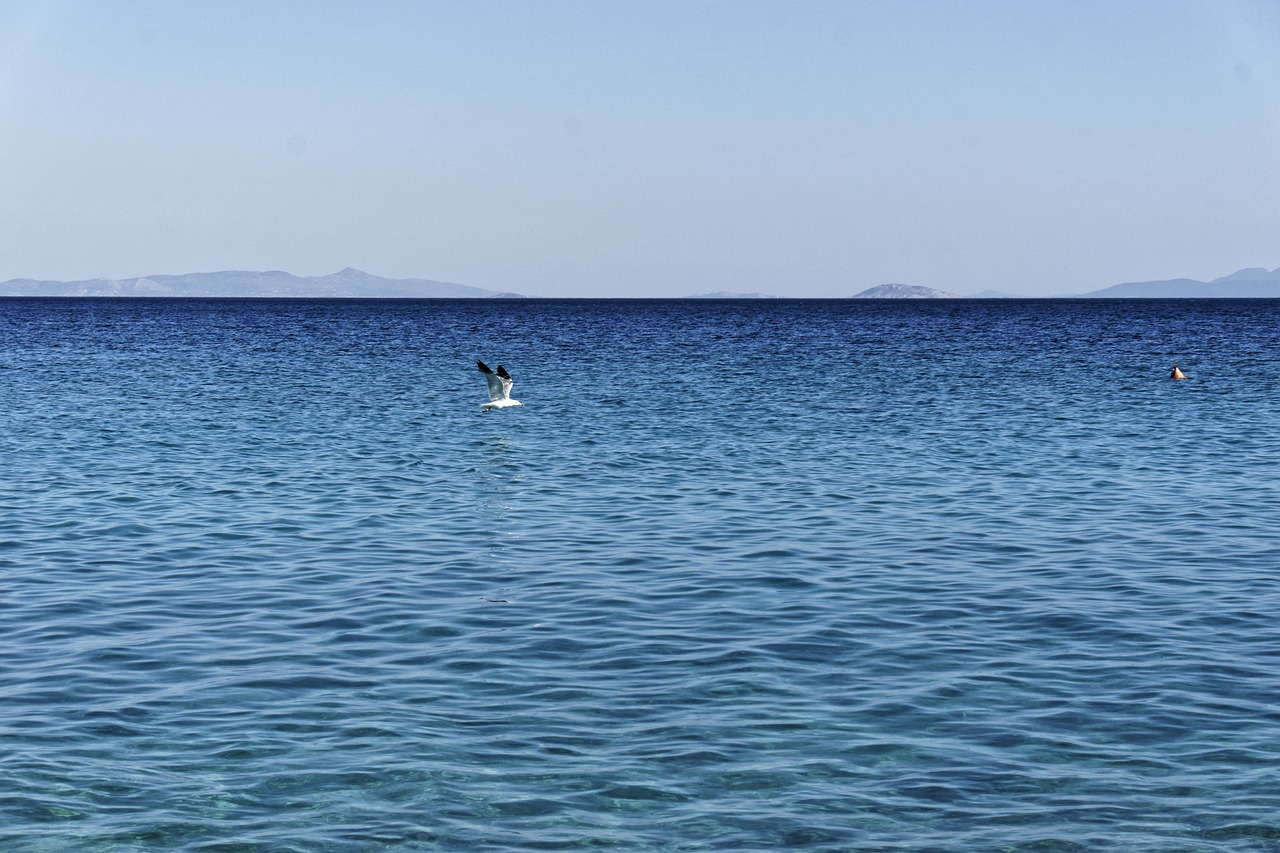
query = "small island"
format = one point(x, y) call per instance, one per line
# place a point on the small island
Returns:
point(904, 291)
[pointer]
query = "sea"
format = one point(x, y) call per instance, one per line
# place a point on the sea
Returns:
point(740, 575)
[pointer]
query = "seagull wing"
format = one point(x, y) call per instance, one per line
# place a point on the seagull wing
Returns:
point(507, 381)
point(497, 387)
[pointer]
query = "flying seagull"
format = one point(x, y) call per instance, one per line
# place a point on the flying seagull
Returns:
point(499, 387)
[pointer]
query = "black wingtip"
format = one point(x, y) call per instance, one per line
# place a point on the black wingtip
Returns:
point(484, 368)
point(502, 372)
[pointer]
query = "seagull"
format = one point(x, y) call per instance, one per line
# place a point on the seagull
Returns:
point(499, 388)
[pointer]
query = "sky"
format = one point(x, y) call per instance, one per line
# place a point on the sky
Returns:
point(651, 149)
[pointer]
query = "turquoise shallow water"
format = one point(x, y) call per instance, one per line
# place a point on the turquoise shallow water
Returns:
point(825, 576)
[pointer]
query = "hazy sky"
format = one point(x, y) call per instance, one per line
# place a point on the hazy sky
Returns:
point(643, 148)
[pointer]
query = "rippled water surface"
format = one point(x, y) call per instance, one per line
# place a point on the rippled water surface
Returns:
point(827, 576)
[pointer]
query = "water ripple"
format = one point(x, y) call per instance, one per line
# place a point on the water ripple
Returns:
point(272, 583)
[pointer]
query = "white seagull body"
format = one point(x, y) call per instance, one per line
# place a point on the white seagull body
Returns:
point(499, 388)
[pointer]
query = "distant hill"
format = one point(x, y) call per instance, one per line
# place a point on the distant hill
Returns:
point(1253, 282)
point(349, 283)
point(904, 291)
point(994, 294)
point(724, 294)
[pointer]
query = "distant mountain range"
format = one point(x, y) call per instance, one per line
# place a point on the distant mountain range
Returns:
point(352, 283)
point(1252, 282)
point(349, 283)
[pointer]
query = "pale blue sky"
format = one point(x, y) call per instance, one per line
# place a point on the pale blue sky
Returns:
point(643, 148)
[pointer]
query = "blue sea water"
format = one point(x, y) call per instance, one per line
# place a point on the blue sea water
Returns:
point(746, 575)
